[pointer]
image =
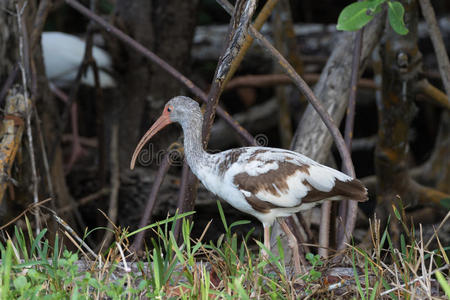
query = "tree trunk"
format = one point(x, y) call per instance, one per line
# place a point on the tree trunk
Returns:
point(166, 28)
point(312, 137)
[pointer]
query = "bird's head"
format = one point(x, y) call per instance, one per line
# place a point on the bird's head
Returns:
point(179, 109)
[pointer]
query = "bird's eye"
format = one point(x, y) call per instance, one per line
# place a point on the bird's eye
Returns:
point(169, 109)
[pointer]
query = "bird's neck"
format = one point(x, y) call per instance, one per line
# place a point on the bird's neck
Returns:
point(196, 156)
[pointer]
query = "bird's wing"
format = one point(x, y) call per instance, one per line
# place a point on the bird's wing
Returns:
point(278, 178)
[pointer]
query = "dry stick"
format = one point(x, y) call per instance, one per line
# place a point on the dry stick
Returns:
point(71, 231)
point(38, 27)
point(28, 112)
point(347, 208)
point(39, 22)
point(266, 80)
point(438, 43)
point(85, 200)
point(40, 18)
point(164, 65)
point(30, 208)
point(432, 94)
point(259, 22)
point(48, 176)
point(186, 195)
point(8, 83)
point(305, 226)
point(413, 281)
point(100, 107)
point(114, 182)
point(146, 216)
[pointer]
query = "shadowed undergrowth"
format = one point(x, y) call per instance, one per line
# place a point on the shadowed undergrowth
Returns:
point(32, 267)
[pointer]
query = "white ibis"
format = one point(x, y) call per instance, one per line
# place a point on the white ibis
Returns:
point(63, 54)
point(264, 182)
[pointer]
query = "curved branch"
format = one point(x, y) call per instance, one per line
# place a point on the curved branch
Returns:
point(302, 86)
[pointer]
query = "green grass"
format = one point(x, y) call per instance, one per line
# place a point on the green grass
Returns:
point(34, 268)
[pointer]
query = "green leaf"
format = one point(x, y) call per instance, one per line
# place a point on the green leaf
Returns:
point(21, 283)
point(355, 16)
point(395, 15)
point(240, 222)
point(444, 284)
point(176, 217)
point(445, 203)
point(396, 213)
point(375, 5)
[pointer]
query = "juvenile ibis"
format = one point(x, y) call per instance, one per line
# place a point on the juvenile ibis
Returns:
point(267, 183)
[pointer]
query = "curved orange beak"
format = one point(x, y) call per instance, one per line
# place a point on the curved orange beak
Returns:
point(162, 122)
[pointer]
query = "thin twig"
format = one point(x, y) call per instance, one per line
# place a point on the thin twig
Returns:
point(438, 43)
point(432, 94)
point(28, 109)
point(39, 22)
point(348, 208)
point(151, 201)
point(186, 195)
point(30, 208)
point(48, 176)
point(419, 278)
point(114, 182)
point(100, 128)
point(85, 200)
point(267, 80)
point(324, 229)
point(71, 231)
point(8, 83)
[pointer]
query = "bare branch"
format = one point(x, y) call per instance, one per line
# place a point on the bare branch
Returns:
point(438, 43)
point(28, 109)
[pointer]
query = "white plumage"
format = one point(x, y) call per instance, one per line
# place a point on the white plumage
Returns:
point(63, 54)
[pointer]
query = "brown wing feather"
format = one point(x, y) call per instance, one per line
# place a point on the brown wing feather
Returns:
point(353, 190)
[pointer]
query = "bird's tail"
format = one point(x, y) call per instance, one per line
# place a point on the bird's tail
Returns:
point(353, 189)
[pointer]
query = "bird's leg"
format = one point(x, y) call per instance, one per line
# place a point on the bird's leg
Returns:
point(292, 244)
point(264, 254)
point(77, 149)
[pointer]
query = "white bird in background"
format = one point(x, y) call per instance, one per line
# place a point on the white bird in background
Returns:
point(268, 183)
point(63, 54)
